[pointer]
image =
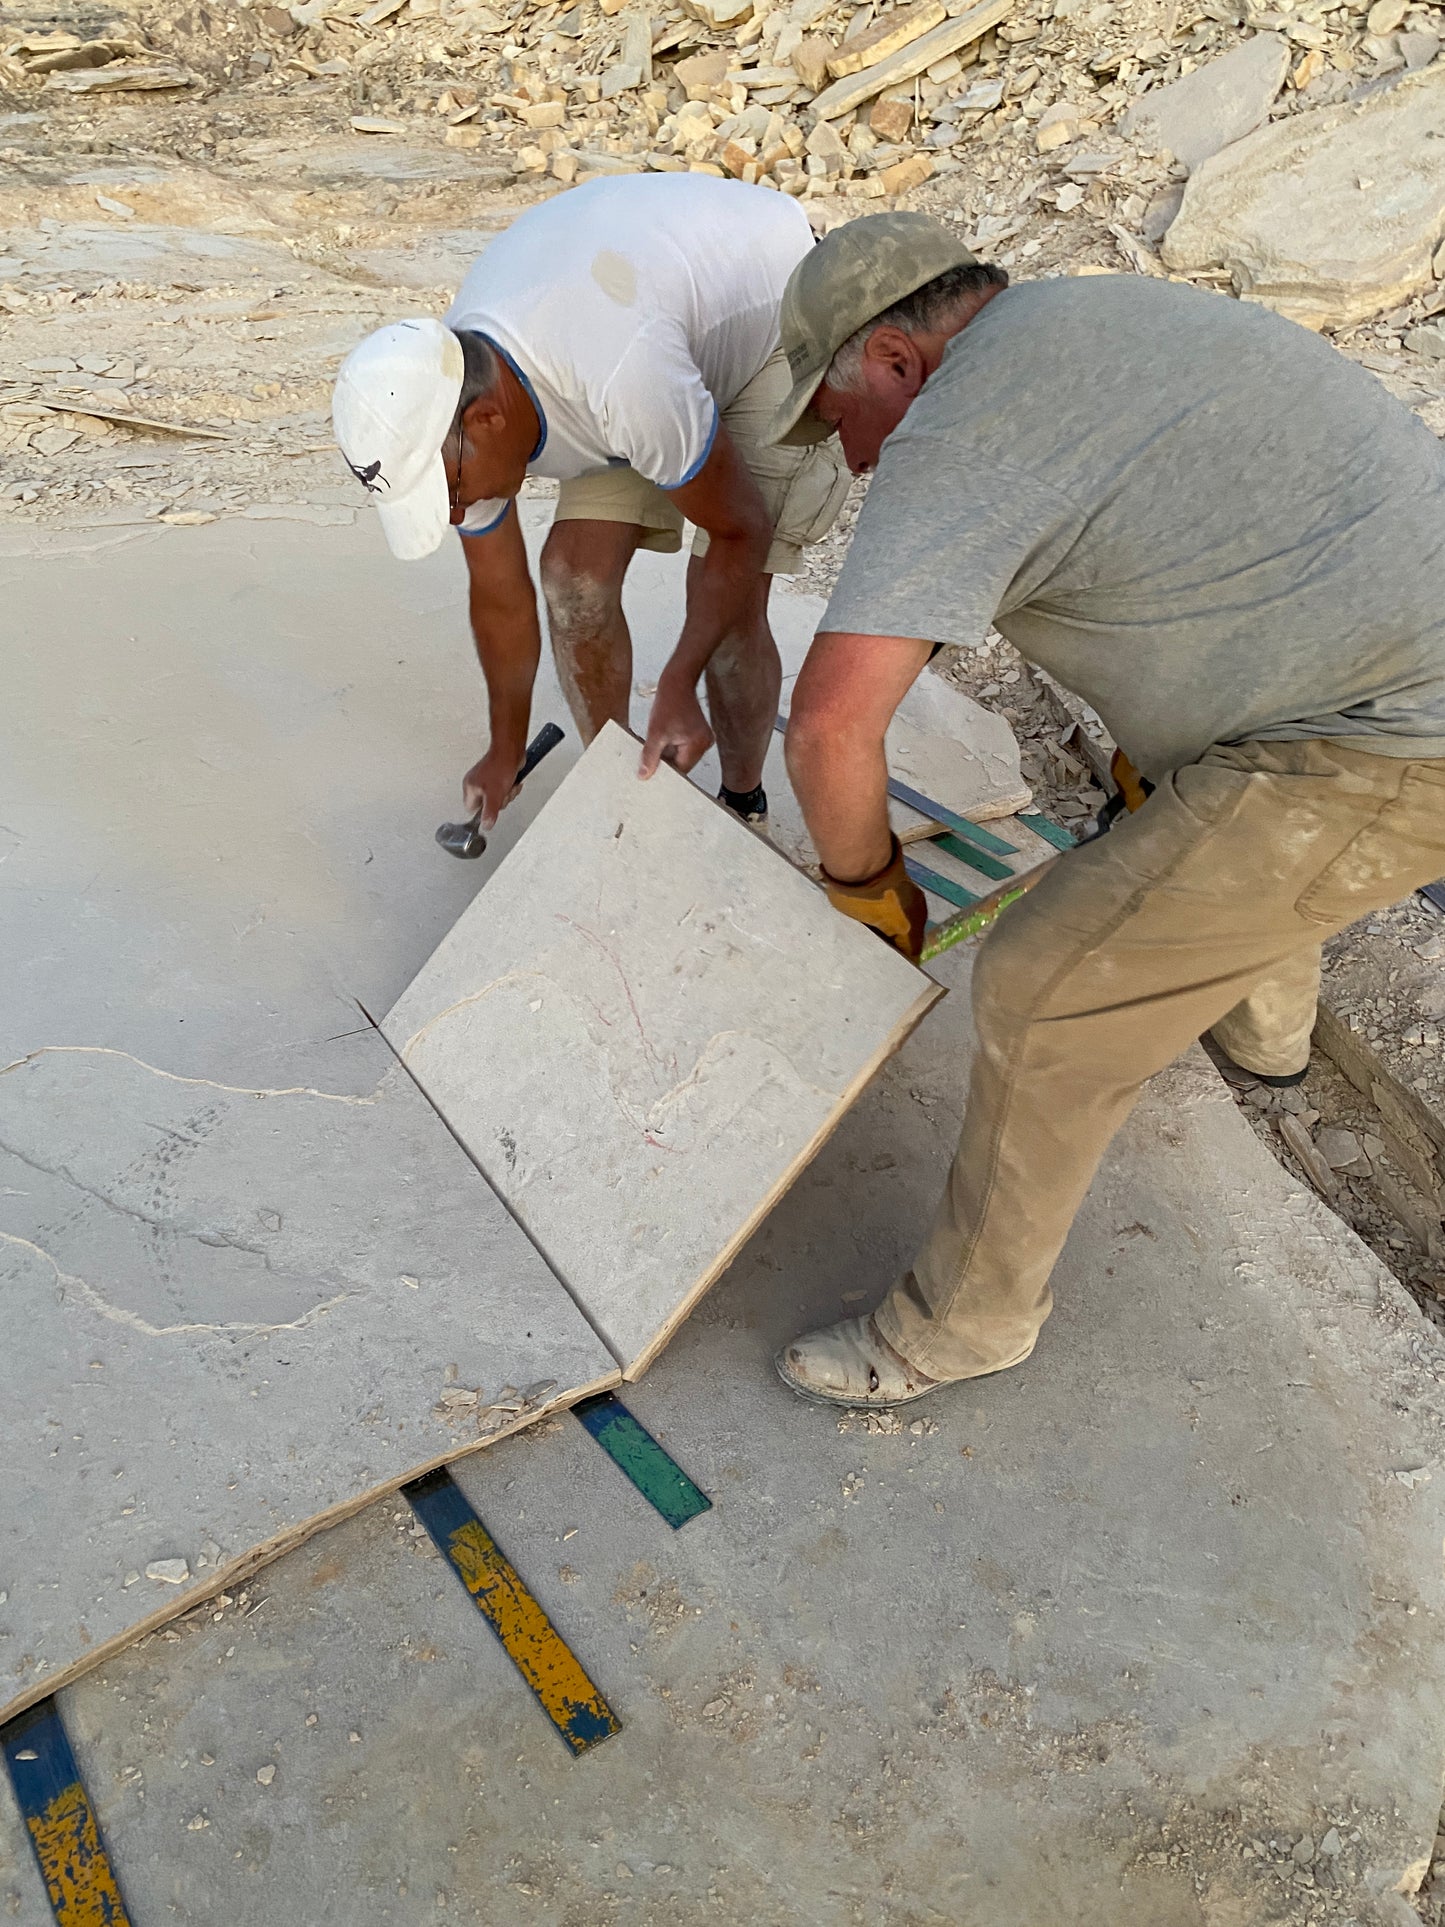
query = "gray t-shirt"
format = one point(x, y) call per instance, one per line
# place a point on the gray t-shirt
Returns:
point(1200, 517)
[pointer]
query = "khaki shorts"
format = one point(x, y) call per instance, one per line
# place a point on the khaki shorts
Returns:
point(803, 488)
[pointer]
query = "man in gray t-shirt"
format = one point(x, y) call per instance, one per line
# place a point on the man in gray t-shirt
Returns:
point(1231, 541)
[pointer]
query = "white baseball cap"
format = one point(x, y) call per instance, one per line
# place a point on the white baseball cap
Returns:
point(394, 403)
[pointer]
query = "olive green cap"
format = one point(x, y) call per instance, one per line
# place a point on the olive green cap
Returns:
point(853, 274)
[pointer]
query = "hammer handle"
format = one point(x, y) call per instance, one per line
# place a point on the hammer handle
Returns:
point(542, 744)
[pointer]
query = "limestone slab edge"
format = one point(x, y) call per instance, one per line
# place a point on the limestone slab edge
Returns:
point(1276, 208)
point(239, 1571)
point(785, 1003)
point(927, 998)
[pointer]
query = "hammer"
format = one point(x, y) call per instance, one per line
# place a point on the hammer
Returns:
point(466, 839)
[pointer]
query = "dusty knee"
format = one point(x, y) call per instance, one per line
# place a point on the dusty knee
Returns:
point(581, 579)
point(1011, 967)
point(578, 606)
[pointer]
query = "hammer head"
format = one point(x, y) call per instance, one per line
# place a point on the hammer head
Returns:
point(462, 839)
point(466, 839)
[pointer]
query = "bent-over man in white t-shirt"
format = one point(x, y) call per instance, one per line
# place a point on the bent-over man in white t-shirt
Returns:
point(622, 338)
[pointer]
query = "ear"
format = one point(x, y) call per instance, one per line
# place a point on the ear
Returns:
point(897, 357)
point(483, 415)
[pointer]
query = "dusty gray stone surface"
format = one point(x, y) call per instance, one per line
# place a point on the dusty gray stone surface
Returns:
point(220, 780)
point(1295, 212)
point(221, 776)
point(164, 255)
point(956, 752)
point(641, 1030)
point(1061, 1654)
point(1222, 101)
point(230, 1313)
point(240, 1253)
point(941, 743)
point(1159, 1578)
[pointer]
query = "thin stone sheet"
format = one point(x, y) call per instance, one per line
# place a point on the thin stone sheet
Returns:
point(642, 1029)
point(248, 1277)
point(233, 1315)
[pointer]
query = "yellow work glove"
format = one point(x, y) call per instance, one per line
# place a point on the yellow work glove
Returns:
point(890, 903)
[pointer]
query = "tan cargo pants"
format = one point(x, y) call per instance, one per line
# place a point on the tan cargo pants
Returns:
point(1206, 910)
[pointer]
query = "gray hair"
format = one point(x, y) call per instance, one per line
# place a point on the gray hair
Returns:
point(925, 311)
point(481, 371)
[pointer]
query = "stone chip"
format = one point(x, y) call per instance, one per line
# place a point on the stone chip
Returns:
point(169, 1572)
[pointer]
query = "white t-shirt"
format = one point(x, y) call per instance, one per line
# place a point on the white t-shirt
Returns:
point(633, 309)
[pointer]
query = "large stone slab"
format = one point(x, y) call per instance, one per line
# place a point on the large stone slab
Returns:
point(956, 752)
point(270, 720)
point(155, 255)
point(642, 1030)
point(347, 159)
point(219, 782)
point(1061, 1655)
point(232, 1317)
point(1222, 101)
point(1327, 217)
point(249, 1277)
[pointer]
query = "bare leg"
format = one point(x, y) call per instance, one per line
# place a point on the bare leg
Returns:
point(582, 567)
point(744, 680)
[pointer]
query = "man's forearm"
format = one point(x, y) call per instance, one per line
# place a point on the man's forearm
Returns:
point(509, 648)
point(840, 778)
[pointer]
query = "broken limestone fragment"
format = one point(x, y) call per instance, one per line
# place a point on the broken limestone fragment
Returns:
point(720, 13)
point(810, 59)
point(1220, 102)
point(906, 173)
point(632, 70)
point(118, 80)
point(702, 74)
point(886, 36)
point(915, 58)
point(1058, 125)
point(170, 1572)
point(1340, 1149)
point(1291, 212)
point(1418, 49)
point(891, 117)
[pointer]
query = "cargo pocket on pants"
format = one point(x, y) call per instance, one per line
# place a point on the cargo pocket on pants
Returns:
point(814, 496)
point(1400, 848)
